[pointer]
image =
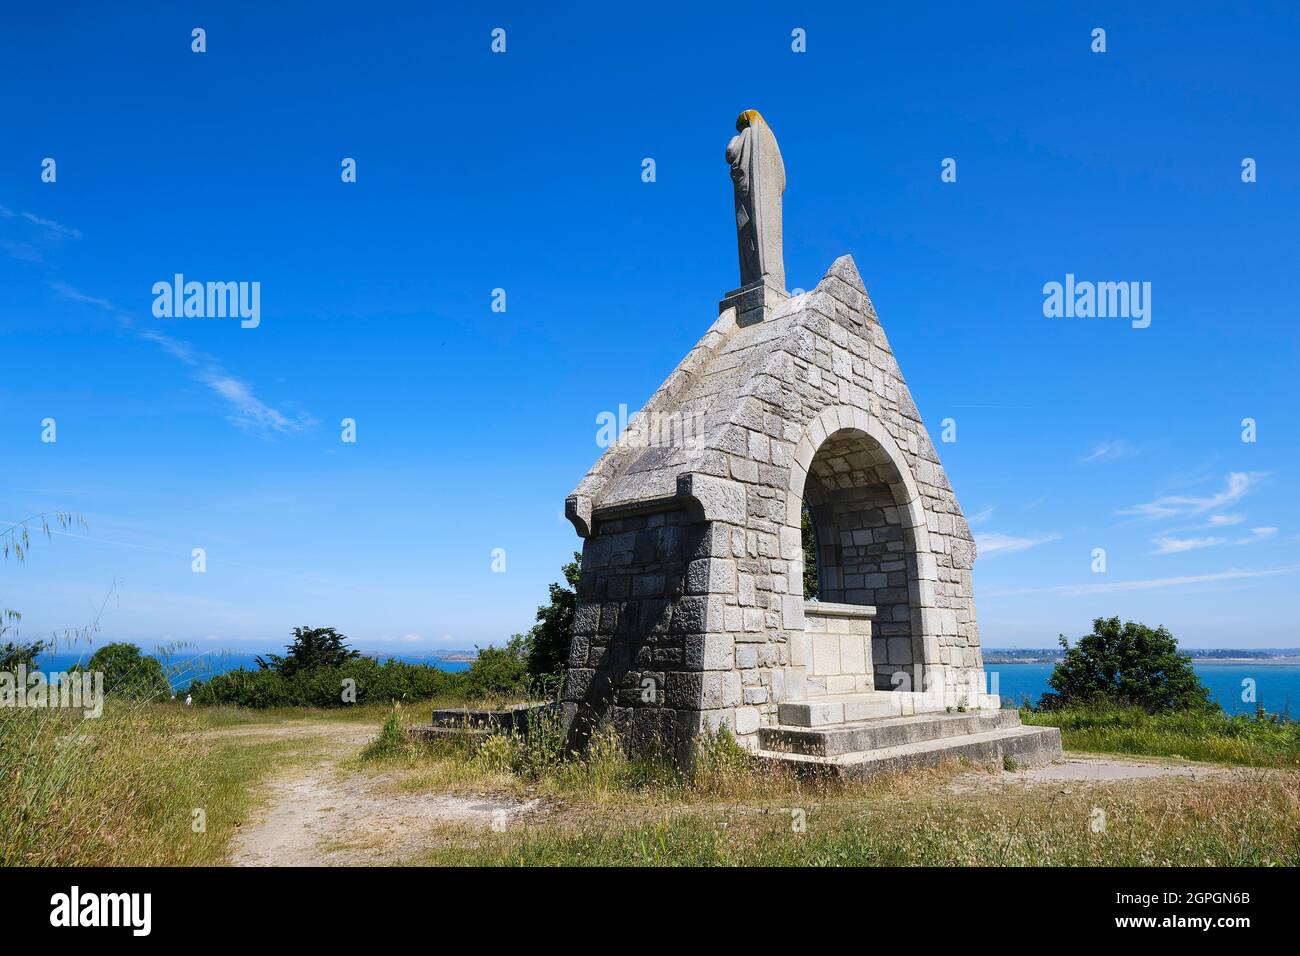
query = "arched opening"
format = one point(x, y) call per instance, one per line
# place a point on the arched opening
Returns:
point(865, 546)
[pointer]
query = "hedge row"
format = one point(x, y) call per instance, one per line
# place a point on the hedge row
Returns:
point(325, 686)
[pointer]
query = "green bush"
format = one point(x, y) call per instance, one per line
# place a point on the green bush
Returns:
point(128, 673)
point(499, 673)
point(319, 670)
point(323, 686)
point(1128, 665)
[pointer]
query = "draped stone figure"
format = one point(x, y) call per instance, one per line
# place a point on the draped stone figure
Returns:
point(758, 178)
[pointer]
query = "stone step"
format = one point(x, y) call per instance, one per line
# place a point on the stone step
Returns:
point(511, 717)
point(850, 708)
point(833, 740)
point(1027, 746)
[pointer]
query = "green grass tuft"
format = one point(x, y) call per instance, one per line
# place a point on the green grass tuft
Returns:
point(1259, 741)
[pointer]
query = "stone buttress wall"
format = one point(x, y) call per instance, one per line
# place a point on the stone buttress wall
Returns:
point(642, 655)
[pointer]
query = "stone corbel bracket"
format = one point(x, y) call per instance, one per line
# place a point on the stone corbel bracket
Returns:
point(706, 497)
point(711, 498)
point(577, 508)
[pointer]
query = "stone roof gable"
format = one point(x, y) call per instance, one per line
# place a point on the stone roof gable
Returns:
point(730, 383)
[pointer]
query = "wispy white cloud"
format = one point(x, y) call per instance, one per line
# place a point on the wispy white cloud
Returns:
point(990, 544)
point(1223, 521)
point(53, 229)
point(249, 412)
point(1109, 451)
point(22, 251)
point(1150, 584)
point(173, 347)
point(981, 516)
point(1178, 545)
point(51, 232)
point(68, 292)
point(1168, 544)
point(1237, 485)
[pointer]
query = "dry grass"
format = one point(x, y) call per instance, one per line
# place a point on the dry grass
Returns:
point(919, 821)
point(121, 790)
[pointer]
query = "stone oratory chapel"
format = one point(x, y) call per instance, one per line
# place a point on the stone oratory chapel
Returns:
point(691, 611)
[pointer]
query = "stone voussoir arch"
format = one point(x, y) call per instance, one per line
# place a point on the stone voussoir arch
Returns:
point(847, 420)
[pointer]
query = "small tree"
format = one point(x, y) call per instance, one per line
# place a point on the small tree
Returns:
point(1128, 665)
point(312, 647)
point(128, 673)
point(15, 654)
point(499, 672)
point(548, 641)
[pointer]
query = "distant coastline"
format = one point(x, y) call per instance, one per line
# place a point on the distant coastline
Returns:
point(459, 656)
point(1266, 655)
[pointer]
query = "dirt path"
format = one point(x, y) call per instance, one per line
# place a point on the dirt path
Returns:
point(324, 814)
point(1083, 769)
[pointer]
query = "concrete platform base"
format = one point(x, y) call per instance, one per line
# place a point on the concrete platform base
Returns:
point(865, 705)
point(885, 745)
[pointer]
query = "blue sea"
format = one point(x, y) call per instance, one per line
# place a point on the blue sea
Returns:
point(1276, 686)
point(185, 666)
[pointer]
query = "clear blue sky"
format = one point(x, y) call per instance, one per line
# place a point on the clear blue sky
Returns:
point(523, 171)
